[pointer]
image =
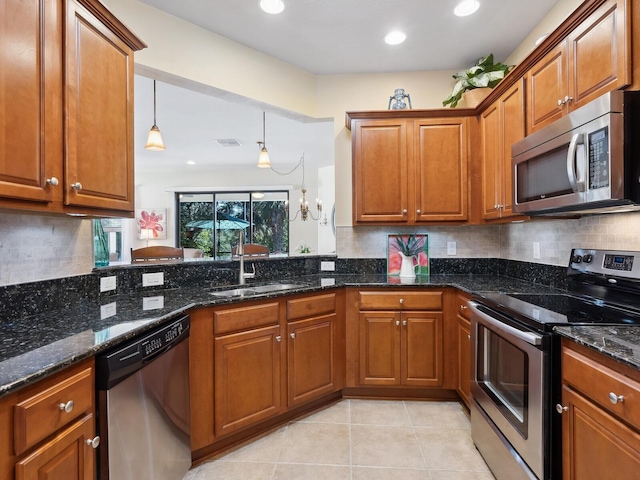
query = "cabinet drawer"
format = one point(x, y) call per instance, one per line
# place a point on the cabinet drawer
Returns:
point(311, 306)
point(401, 300)
point(244, 318)
point(598, 382)
point(42, 414)
point(462, 306)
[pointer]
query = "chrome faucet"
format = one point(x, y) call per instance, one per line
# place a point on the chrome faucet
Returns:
point(242, 275)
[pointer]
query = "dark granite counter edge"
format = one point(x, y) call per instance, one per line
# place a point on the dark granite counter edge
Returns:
point(47, 359)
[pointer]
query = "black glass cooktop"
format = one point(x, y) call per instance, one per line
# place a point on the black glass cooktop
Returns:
point(545, 311)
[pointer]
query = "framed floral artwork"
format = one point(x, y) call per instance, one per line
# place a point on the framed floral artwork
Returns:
point(415, 245)
point(151, 224)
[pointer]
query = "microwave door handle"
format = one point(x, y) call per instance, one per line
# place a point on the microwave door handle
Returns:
point(576, 139)
point(527, 337)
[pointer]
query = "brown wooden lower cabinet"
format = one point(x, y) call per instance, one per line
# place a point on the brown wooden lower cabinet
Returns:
point(464, 360)
point(600, 416)
point(47, 428)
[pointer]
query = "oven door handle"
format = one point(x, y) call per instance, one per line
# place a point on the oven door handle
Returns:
point(528, 337)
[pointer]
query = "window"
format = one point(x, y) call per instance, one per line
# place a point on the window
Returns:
point(211, 221)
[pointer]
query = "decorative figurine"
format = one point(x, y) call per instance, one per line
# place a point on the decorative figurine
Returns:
point(399, 96)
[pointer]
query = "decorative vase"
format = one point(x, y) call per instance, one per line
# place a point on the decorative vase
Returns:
point(472, 98)
point(100, 245)
point(407, 269)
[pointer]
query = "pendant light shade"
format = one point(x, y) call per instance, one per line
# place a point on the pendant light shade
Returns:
point(263, 159)
point(154, 140)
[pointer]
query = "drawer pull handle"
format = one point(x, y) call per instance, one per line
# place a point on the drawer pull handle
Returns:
point(560, 409)
point(292, 335)
point(66, 407)
point(278, 338)
point(463, 307)
point(401, 301)
point(613, 398)
point(93, 442)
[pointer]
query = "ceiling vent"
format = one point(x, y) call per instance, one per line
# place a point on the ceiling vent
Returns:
point(228, 142)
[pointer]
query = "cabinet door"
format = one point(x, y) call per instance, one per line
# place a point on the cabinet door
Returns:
point(599, 54)
point(99, 114)
point(546, 85)
point(379, 348)
point(512, 127)
point(65, 457)
point(311, 358)
point(464, 360)
point(440, 157)
point(30, 95)
point(491, 161)
point(247, 378)
point(595, 445)
point(421, 347)
point(380, 171)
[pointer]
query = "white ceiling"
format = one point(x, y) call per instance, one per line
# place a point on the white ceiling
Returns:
point(347, 36)
point(321, 36)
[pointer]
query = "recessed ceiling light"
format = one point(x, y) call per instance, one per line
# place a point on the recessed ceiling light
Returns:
point(395, 38)
point(190, 162)
point(466, 7)
point(272, 6)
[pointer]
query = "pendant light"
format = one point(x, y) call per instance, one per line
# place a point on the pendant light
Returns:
point(263, 159)
point(154, 140)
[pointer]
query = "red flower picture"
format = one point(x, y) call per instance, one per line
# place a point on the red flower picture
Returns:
point(151, 224)
point(412, 245)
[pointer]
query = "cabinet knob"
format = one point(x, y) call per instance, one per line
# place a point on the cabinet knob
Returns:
point(560, 409)
point(278, 338)
point(402, 301)
point(292, 335)
point(568, 99)
point(468, 337)
point(76, 186)
point(66, 407)
point(404, 323)
point(418, 211)
point(560, 102)
point(398, 323)
point(613, 398)
point(404, 211)
point(495, 206)
point(93, 442)
point(53, 181)
point(463, 307)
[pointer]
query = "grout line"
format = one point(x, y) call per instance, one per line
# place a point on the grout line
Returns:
point(275, 465)
point(413, 429)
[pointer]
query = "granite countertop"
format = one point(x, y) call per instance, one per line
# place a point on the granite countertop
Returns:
point(620, 342)
point(36, 346)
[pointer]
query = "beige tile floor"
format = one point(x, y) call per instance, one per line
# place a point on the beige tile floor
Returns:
point(359, 440)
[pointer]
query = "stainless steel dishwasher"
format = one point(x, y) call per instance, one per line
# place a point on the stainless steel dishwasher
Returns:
point(142, 390)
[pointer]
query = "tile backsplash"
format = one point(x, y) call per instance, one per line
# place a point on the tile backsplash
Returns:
point(34, 247)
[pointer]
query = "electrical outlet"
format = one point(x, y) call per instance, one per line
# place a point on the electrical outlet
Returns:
point(536, 250)
point(107, 283)
point(108, 310)
point(153, 303)
point(451, 248)
point(327, 266)
point(152, 279)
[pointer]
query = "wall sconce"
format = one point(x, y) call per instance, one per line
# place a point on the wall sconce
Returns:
point(263, 159)
point(154, 140)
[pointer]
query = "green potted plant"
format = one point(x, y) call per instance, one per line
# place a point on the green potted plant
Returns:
point(484, 74)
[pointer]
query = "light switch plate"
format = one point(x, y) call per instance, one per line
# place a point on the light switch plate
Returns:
point(451, 248)
point(107, 283)
point(152, 279)
point(327, 266)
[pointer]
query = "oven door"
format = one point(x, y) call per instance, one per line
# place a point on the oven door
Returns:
point(508, 382)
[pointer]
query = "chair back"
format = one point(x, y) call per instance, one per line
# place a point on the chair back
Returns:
point(252, 250)
point(157, 254)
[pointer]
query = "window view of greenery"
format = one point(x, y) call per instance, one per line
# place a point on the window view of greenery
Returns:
point(211, 221)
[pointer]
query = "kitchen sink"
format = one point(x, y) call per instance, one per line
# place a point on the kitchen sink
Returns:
point(256, 290)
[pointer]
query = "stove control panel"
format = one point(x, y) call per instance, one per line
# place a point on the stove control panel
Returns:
point(606, 262)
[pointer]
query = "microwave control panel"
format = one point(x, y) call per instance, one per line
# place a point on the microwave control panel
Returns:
point(599, 158)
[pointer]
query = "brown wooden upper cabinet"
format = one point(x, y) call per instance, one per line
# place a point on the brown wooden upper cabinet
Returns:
point(594, 58)
point(501, 124)
point(409, 171)
point(67, 117)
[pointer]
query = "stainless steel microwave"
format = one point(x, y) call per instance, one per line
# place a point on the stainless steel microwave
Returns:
point(586, 162)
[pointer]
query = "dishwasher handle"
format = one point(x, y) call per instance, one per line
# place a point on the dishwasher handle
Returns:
point(529, 337)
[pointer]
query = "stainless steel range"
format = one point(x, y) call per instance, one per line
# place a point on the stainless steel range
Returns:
point(516, 355)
